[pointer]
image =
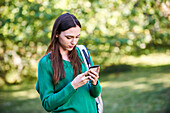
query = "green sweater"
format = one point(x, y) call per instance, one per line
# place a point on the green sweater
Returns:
point(63, 98)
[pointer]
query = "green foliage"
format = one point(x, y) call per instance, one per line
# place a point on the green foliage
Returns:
point(110, 29)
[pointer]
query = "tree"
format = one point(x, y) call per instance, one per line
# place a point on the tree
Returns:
point(110, 29)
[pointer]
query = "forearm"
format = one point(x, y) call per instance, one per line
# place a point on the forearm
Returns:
point(95, 90)
point(55, 100)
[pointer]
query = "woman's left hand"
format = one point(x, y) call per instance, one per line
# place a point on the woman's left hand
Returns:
point(94, 75)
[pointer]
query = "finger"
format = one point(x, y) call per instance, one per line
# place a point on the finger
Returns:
point(86, 73)
point(94, 82)
point(86, 79)
point(93, 72)
point(94, 76)
point(92, 79)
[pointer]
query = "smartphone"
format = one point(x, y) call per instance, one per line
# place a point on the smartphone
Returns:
point(94, 68)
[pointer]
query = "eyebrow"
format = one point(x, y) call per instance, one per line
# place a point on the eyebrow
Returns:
point(71, 36)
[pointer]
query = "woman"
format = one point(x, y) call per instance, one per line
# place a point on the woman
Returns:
point(62, 75)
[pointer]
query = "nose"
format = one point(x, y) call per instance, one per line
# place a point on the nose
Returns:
point(73, 42)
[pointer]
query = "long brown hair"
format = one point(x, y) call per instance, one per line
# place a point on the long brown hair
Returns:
point(62, 23)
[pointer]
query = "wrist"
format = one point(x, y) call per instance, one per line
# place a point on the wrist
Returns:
point(74, 85)
point(94, 84)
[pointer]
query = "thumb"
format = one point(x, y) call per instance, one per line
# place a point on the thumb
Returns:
point(86, 73)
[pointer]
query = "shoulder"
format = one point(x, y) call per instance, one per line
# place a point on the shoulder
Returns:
point(77, 49)
point(44, 61)
point(80, 47)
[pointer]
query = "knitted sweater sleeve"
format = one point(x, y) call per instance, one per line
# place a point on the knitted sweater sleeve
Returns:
point(95, 90)
point(51, 100)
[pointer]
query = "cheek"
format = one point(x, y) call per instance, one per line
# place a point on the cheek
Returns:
point(62, 42)
point(77, 40)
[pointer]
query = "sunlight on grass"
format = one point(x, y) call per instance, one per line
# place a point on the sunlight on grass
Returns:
point(142, 87)
point(154, 59)
point(129, 84)
point(164, 78)
point(117, 84)
point(141, 79)
point(142, 92)
point(27, 94)
point(141, 83)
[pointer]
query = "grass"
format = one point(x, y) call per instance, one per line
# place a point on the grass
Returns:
point(21, 98)
point(139, 91)
point(144, 89)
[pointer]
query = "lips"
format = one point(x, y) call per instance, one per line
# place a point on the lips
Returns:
point(71, 46)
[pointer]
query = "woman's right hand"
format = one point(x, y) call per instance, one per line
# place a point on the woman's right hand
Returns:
point(80, 80)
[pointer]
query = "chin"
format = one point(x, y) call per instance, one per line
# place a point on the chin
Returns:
point(70, 49)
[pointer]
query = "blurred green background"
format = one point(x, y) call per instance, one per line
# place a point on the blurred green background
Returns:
point(129, 39)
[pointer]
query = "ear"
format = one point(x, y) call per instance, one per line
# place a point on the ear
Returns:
point(57, 35)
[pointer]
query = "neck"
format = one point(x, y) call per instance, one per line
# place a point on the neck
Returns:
point(64, 53)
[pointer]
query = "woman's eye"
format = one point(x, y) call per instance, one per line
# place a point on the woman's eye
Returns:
point(68, 37)
point(77, 37)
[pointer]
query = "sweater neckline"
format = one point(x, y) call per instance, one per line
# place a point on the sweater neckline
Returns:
point(66, 61)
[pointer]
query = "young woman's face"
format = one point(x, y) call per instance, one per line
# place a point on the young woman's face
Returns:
point(69, 38)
